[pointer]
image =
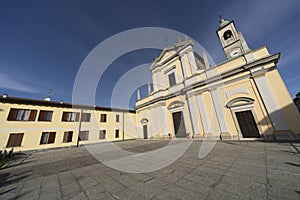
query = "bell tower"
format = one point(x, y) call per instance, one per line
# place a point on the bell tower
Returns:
point(233, 42)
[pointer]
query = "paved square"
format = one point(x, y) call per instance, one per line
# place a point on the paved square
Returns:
point(232, 170)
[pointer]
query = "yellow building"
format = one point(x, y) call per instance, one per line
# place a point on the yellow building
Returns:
point(27, 124)
point(241, 98)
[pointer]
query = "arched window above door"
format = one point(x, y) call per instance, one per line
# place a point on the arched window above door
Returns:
point(239, 101)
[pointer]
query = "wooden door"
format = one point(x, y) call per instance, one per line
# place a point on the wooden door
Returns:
point(179, 127)
point(247, 124)
point(145, 131)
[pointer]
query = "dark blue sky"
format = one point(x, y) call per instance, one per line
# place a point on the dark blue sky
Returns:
point(43, 43)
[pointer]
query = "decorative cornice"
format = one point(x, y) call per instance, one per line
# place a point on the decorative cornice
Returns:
point(210, 81)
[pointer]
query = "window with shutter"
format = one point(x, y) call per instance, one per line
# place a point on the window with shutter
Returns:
point(70, 117)
point(44, 138)
point(15, 140)
point(103, 118)
point(102, 134)
point(86, 117)
point(68, 135)
point(117, 134)
point(21, 115)
point(48, 138)
point(45, 115)
point(32, 115)
point(12, 114)
point(84, 135)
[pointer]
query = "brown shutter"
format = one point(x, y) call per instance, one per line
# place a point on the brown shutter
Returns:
point(65, 136)
point(15, 140)
point(64, 117)
point(11, 140)
point(88, 117)
point(83, 117)
point(77, 117)
point(12, 114)
point(19, 139)
point(32, 115)
point(70, 136)
point(42, 115)
point(51, 138)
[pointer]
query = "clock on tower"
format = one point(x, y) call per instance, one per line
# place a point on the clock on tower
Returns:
point(233, 42)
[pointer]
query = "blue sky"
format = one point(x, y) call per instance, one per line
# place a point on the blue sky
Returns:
point(43, 43)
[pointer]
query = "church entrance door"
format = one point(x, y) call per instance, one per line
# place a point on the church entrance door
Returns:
point(247, 124)
point(179, 127)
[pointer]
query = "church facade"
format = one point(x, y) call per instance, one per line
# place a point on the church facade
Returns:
point(243, 97)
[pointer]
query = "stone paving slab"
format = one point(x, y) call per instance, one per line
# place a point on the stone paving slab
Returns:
point(232, 170)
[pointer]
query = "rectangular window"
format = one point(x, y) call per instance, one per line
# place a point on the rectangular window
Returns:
point(117, 118)
point(70, 117)
point(45, 115)
point(199, 61)
point(86, 117)
point(102, 134)
point(84, 135)
point(48, 138)
point(21, 115)
point(103, 118)
point(68, 135)
point(172, 80)
point(15, 140)
point(117, 134)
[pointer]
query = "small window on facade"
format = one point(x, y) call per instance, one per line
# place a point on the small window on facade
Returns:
point(84, 135)
point(172, 80)
point(48, 138)
point(102, 134)
point(68, 135)
point(86, 117)
point(117, 118)
point(70, 117)
point(103, 118)
point(21, 115)
point(199, 61)
point(45, 115)
point(117, 134)
point(15, 140)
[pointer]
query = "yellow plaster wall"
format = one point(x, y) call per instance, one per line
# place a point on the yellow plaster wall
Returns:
point(283, 98)
point(33, 129)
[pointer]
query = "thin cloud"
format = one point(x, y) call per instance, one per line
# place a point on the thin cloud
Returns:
point(289, 58)
point(297, 78)
point(15, 84)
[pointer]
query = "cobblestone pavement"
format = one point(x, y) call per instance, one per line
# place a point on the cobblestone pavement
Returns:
point(232, 170)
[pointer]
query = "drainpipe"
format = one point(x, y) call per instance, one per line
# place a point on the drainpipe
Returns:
point(79, 127)
point(123, 127)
